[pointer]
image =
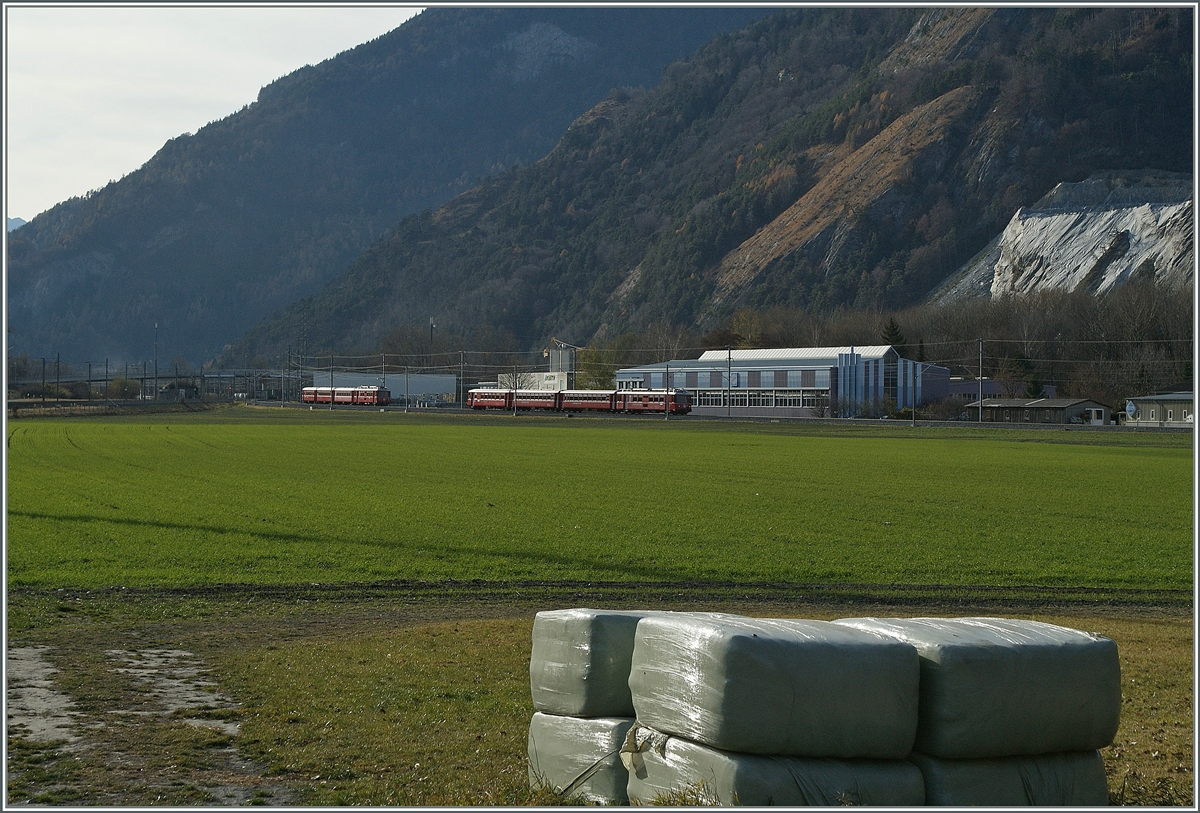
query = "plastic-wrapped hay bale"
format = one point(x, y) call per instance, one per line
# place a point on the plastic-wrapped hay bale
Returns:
point(579, 757)
point(775, 686)
point(997, 687)
point(1051, 780)
point(579, 666)
point(580, 662)
point(676, 771)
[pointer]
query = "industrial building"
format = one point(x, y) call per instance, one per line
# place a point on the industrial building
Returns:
point(1041, 410)
point(967, 390)
point(1173, 409)
point(796, 382)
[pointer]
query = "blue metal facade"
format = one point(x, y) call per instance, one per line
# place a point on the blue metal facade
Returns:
point(821, 381)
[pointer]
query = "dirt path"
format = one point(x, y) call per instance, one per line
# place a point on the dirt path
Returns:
point(64, 750)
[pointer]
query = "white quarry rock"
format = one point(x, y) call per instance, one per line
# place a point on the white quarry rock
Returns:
point(1094, 249)
point(1093, 236)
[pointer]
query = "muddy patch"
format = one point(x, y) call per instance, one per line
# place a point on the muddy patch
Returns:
point(36, 710)
point(175, 681)
point(124, 727)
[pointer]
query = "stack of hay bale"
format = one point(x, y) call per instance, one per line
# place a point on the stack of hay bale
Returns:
point(579, 679)
point(708, 707)
point(1012, 712)
point(771, 712)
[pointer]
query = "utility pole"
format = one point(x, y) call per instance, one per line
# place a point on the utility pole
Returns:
point(106, 379)
point(43, 381)
point(156, 361)
point(461, 385)
point(667, 393)
point(57, 378)
point(89, 382)
point(331, 382)
point(406, 388)
point(514, 389)
point(728, 372)
point(914, 393)
point(981, 380)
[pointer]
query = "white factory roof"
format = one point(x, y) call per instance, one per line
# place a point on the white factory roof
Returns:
point(870, 351)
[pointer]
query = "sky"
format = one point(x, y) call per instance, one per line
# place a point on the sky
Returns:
point(92, 92)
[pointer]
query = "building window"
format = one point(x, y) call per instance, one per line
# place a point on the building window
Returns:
point(754, 379)
point(1152, 414)
point(781, 377)
point(1170, 414)
point(714, 379)
point(808, 378)
point(691, 380)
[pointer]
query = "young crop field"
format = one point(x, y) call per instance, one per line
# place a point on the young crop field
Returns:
point(318, 498)
point(254, 606)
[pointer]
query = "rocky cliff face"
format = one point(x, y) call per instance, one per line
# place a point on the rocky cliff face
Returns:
point(1093, 236)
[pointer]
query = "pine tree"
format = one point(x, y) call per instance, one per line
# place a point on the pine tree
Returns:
point(892, 335)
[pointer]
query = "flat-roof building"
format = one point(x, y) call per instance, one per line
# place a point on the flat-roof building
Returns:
point(1175, 409)
point(1041, 410)
point(796, 382)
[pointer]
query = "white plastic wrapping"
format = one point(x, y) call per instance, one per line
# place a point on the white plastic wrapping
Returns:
point(666, 768)
point(1052, 780)
point(579, 757)
point(997, 687)
point(580, 662)
point(773, 686)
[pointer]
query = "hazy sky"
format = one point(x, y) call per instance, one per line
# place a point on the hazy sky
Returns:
point(92, 92)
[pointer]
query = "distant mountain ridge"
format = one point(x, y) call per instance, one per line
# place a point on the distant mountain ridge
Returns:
point(818, 159)
point(220, 228)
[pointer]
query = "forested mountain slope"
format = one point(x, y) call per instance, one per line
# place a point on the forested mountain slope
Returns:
point(820, 158)
point(253, 211)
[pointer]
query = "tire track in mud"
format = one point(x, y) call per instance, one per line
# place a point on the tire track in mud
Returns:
point(480, 591)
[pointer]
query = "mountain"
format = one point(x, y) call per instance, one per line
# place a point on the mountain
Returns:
point(818, 159)
point(253, 211)
point(15, 223)
point(1094, 236)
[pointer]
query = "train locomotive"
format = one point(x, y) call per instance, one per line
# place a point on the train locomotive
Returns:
point(350, 396)
point(625, 401)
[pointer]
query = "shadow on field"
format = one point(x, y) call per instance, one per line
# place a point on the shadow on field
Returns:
point(168, 526)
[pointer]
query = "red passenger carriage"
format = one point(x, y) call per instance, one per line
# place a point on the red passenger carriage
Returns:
point(350, 396)
point(637, 401)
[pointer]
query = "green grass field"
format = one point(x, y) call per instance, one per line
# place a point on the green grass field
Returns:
point(288, 497)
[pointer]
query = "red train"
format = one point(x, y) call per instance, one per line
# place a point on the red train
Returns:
point(634, 401)
point(361, 396)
